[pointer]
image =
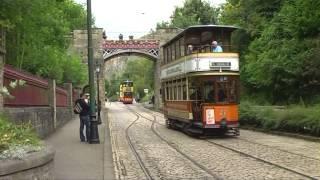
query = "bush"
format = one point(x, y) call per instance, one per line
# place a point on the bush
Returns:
point(296, 119)
point(16, 135)
point(113, 98)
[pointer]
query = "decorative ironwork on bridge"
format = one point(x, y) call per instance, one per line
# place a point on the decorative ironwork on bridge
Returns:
point(115, 47)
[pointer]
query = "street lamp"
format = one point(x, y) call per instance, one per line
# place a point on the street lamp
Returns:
point(94, 134)
point(98, 97)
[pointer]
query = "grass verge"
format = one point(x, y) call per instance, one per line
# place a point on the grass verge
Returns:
point(294, 119)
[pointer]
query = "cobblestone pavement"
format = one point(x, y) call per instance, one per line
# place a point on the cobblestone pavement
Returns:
point(278, 150)
point(160, 159)
point(164, 162)
point(125, 163)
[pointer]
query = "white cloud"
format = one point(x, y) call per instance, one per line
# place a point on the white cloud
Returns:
point(133, 17)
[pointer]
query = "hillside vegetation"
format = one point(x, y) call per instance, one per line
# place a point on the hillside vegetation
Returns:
point(36, 39)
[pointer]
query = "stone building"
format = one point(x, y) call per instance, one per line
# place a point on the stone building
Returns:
point(79, 43)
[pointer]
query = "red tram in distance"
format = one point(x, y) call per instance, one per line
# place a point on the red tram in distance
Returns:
point(126, 92)
point(200, 87)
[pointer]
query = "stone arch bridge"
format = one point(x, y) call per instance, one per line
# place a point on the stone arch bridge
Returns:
point(147, 46)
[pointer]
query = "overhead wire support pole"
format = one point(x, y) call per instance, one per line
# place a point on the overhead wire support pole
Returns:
point(94, 134)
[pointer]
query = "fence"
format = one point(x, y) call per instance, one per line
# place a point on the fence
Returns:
point(38, 102)
point(34, 93)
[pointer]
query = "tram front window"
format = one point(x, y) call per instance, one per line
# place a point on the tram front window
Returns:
point(128, 94)
point(209, 91)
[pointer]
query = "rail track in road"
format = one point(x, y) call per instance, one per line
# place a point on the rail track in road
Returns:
point(153, 121)
point(136, 154)
point(263, 160)
point(260, 144)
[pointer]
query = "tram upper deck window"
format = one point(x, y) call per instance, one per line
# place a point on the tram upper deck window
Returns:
point(198, 39)
point(201, 38)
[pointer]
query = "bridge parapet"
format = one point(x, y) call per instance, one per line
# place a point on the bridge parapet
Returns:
point(147, 47)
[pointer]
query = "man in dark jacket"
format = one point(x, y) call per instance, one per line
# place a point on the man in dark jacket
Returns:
point(84, 116)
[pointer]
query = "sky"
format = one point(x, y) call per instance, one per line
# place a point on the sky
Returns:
point(133, 17)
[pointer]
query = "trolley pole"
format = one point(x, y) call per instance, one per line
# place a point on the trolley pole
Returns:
point(94, 134)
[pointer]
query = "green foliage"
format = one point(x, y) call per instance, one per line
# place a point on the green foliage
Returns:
point(74, 70)
point(112, 86)
point(294, 119)
point(11, 134)
point(140, 71)
point(252, 15)
point(36, 35)
point(281, 59)
point(193, 12)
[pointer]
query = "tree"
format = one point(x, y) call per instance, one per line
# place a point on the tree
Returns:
point(36, 35)
point(193, 12)
point(282, 56)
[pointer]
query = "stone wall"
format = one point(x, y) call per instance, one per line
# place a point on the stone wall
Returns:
point(41, 118)
point(63, 116)
point(37, 165)
point(79, 43)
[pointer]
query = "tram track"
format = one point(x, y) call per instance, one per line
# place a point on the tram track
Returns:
point(261, 160)
point(285, 151)
point(136, 154)
point(153, 121)
point(257, 158)
point(252, 142)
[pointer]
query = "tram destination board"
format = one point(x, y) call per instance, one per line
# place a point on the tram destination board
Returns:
point(220, 64)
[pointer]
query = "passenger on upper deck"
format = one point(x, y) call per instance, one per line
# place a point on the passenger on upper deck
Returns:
point(190, 49)
point(216, 47)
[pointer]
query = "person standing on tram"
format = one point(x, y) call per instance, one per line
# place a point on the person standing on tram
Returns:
point(216, 47)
